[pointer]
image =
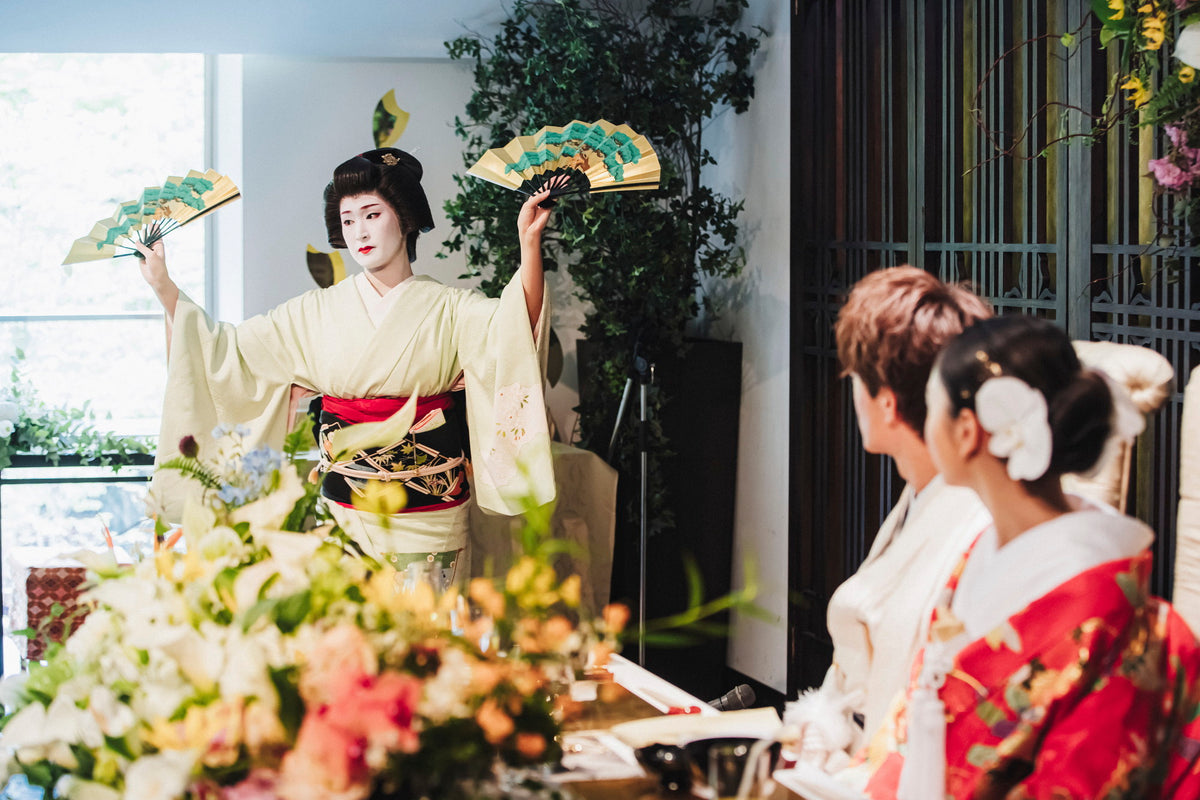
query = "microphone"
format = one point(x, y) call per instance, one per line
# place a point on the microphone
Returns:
point(739, 697)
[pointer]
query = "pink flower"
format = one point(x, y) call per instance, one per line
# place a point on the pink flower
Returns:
point(1168, 175)
point(328, 763)
point(258, 785)
point(340, 657)
point(379, 709)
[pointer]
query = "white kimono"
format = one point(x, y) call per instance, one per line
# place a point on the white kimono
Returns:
point(324, 341)
point(877, 617)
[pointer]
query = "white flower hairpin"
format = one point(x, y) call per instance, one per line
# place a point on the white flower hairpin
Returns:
point(1015, 414)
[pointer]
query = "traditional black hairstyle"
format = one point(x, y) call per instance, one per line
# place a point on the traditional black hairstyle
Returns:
point(392, 174)
point(1078, 401)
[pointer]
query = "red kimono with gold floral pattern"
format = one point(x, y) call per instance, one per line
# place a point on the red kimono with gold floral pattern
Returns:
point(1090, 691)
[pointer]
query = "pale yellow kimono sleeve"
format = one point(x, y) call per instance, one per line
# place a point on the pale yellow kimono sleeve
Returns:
point(506, 411)
point(224, 374)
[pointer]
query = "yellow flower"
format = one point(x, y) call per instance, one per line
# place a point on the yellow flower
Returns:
point(570, 591)
point(532, 583)
point(1187, 74)
point(381, 497)
point(383, 589)
point(1118, 8)
point(1139, 95)
point(1154, 31)
point(214, 730)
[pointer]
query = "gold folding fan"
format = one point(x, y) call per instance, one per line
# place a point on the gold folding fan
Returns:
point(576, 158)
point(160, 210)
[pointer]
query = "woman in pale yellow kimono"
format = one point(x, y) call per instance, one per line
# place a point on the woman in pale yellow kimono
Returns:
point(366, 344)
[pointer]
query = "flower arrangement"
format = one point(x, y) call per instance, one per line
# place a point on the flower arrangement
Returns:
point(29, 425)
point(1157, 72)
point(251, 655)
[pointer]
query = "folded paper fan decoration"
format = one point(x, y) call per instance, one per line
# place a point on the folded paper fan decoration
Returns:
point(160, 210)
point(577, 158)
point(326, 268)
point(389, 120)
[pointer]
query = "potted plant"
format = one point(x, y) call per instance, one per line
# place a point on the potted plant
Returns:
point(636, 258)
point(37, 434)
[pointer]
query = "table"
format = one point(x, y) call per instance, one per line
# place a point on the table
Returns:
point(634, 693)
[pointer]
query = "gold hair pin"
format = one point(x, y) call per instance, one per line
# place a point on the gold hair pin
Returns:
point(390, 159)
point(988, 364)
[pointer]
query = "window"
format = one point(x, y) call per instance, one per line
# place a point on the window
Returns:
point(82, 133)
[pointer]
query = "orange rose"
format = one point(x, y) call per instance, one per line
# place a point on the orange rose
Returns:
point(496, 725)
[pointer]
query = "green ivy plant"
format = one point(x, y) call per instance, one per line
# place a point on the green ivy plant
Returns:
point(664, 68)
point(29, 425)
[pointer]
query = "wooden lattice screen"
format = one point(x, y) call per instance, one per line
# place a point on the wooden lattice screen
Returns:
point(891, 165)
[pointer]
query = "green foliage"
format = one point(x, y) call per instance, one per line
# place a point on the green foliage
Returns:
point(664, 68)
point(29, 425)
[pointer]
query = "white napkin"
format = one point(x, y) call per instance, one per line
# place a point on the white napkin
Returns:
point(813, 783)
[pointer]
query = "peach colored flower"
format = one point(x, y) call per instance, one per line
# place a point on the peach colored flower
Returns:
point(341, 655)
point(484, 593)
point(531, 745)
point(496, 725)
point(526, 678)
point(485, 677)
point(527, 635)
point(616, 616)
point(555, 632)
point(326, 764)
point(600, 655)
point(262, 729)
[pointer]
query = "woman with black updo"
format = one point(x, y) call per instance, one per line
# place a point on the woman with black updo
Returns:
point(367, 344)
point(1048, 671)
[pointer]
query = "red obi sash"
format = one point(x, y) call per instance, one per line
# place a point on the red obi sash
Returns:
point(429, 462)
point(376, 409)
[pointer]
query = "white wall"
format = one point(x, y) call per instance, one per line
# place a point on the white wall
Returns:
point(751, 150)
point(301, 118)
point(302, 115)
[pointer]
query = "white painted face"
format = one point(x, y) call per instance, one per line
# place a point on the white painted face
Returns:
point(371, 230)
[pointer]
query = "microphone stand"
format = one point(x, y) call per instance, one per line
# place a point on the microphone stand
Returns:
point(643, 371)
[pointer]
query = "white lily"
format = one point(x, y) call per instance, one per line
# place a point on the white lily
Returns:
point(290, 557)
point(1187, 46)
point(38, 726)
point(114, 717)
point(200, 657)
point(245, 672)
point(162, 776)
point(102, 562)
point(272, 510)
point(12, 689)
point(162, 688)
point(89, 639)
point(216, 543)
point(72, 787)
